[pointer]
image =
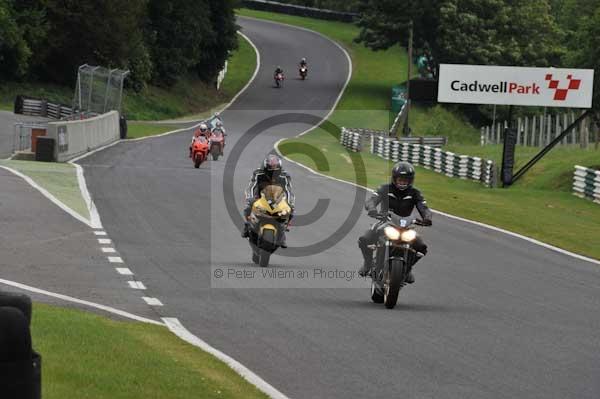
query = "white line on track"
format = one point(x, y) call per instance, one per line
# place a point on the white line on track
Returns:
point(105, 308)
point(104, 241)
point(136, 285)
point(178, 329)
point(152, 301)
point(115, 259)
point(100, 233)
point(108, 250)
point(124, 271)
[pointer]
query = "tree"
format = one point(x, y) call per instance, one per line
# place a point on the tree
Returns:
point(584, 46)
point(22, 28)
point(104, 33)
point(223, 39)
point(503, 32)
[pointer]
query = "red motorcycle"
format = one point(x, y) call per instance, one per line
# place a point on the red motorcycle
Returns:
point(199, 151)
point(217, 144)
point(279, 79)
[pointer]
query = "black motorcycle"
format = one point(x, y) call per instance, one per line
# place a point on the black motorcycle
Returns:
point(393, 257)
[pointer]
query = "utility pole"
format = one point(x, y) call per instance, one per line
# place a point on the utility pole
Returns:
point(406, 128)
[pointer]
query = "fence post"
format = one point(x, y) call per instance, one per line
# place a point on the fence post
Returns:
point(519, 128)
point(526, 131)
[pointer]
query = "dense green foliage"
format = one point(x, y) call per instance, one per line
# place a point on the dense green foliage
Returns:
point(490, 32)
point(160, 41)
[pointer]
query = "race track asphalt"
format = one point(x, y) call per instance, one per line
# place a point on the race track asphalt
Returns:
point(490, 316)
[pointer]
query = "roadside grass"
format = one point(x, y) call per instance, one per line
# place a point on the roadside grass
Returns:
point(60, 179)
point(140, 129)
point(188, 96)
point(554, 216)
point(540, 205)
point(88, 356)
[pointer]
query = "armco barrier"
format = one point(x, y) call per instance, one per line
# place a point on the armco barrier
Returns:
point(74, 138)
point(448, 163)
point(40, 107)
point(355, 139)
point(586, 183)
point(293, 9)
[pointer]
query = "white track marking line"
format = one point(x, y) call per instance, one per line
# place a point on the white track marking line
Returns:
point(136, 285)
point(124, 271)
point(51, 197)
point(108, 250)
point(93, 212)
point(100, 233)
point(178, 329)
point(87, 154)
point(115, 259)
point(104, 241)
point(152, 301)
point(81, 302)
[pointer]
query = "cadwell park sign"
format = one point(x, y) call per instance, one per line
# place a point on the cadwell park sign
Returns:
point(502, 85)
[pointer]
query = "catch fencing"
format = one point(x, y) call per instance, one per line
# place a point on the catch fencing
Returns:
point(540, 130)
point(74, 138)
point(436, 159)
point(293, 9)
point(586, 183)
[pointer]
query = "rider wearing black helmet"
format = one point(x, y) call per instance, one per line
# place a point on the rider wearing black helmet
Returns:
point(399, 197)
point(271, 173)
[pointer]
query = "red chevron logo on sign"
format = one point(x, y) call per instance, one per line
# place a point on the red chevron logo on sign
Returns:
point(561, 94)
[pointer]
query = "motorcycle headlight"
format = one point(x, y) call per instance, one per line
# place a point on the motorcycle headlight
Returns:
point(408, 235)
point(391, 233)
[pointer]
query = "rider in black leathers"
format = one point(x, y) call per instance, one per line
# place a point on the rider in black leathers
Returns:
point(271, 173)
point(399, 197)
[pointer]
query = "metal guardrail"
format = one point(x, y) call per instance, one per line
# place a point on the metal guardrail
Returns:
point(448, 163)
point(355, 138)
point(294, 9)
point(586, 183)
point(41, 107)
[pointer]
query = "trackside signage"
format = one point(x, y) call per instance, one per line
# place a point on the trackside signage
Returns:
point(480, 84)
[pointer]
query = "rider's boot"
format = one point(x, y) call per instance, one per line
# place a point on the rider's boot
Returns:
point(367, 253)
point(246, 230)
point(411, 278)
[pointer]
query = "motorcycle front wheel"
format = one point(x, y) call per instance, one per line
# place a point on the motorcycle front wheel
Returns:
point(393, 280)
point(268, 238)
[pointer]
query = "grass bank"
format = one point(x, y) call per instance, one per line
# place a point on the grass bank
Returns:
point(188, 96)
point(540, 206)
point(59, 179)
point(89, 356)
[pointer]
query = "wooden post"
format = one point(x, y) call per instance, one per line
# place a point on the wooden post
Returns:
point(533, 128)
point(410, 59)
point(557, 128)
point(526, 132)
point(519, 127)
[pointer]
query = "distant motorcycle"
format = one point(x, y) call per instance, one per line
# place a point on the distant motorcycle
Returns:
point(199, 150)
point(303, 72)
point(279, 78)
point(393, 258)
point(267, 223)
point(217, 144)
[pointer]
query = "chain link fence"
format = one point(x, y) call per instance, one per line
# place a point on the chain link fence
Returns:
point(98, 89)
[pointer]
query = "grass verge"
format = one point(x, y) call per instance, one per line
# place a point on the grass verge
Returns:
point(60, 179)
point(136, 130)
point(540, 206)
point(89, 356)
point(188, 96)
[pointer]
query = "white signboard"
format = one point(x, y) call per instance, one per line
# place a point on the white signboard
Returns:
point(480, 84)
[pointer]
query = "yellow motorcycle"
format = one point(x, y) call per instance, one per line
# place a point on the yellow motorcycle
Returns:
point(268, 221)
